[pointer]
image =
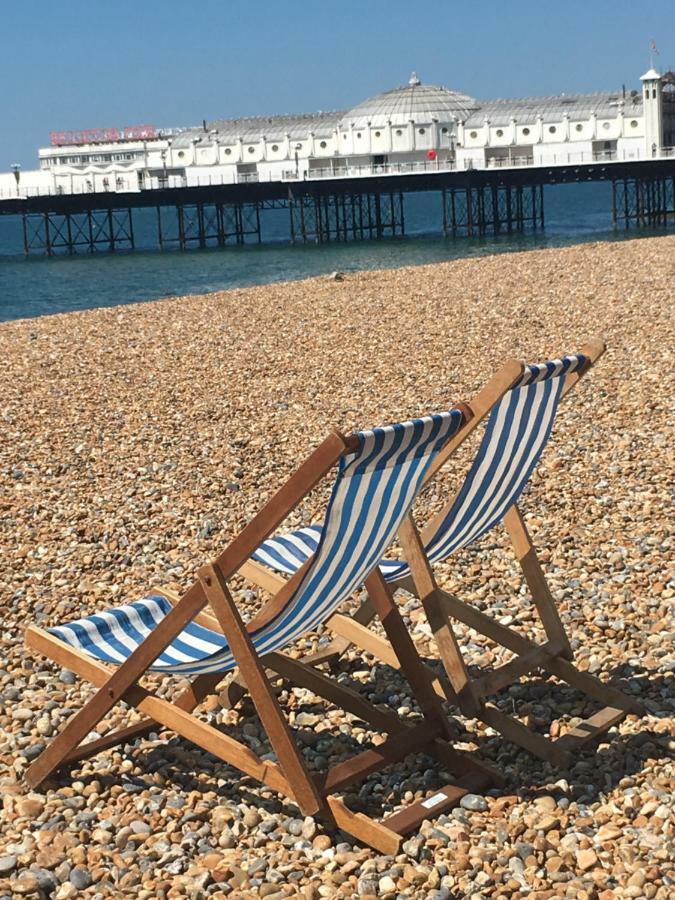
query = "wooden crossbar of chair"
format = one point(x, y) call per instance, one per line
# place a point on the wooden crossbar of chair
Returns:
point(209, 602)
point(553, 657)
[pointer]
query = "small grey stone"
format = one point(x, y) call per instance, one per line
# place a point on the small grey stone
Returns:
point(474, 802)
point(294, 827)
point(412, 847)
point(524, 850)
point(46, 880)
point(7, 864)
point(459, 815)
point(139, 827)
point(367, 885)
point(208, 528)
point(80, 878)
point(67, 677)
point(33, 751)
point(176, 866)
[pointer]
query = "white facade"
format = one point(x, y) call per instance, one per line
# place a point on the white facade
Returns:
point(407, 129)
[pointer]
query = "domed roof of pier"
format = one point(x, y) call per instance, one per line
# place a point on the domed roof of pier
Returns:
point(414, 102)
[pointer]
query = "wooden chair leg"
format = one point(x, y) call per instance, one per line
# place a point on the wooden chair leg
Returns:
point(536, 580)
point(303, 675)
point(427, 590)
point(528, 656)
point(451, 655)
point(412, 666)
point(291, 760)
point(554, 665)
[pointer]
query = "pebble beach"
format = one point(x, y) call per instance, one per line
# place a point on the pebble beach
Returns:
point(138, 440)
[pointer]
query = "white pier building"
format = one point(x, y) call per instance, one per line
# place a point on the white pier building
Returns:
point(411, 128)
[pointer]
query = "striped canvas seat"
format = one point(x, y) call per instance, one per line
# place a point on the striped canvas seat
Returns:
point(286, 553)
point(374, 490)
point(517, 431)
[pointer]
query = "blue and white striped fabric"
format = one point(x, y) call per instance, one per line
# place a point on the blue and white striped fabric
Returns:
point(373, 492)
point(517, 431)
point(286, 553)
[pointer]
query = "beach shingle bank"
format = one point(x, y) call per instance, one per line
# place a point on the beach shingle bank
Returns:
point(138, 440)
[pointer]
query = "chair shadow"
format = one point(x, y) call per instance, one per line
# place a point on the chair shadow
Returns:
point(527, 777)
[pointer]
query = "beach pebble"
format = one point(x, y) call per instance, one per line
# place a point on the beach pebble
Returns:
point(7, 864)
point(474, 802)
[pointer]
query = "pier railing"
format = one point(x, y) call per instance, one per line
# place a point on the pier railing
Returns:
point(97, 183)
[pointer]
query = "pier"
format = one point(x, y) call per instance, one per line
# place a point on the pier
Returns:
point(365, 206)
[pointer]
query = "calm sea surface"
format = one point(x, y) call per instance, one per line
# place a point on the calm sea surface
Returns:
point(39, 286)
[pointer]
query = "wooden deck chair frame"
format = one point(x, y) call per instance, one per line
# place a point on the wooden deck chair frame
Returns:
point(553, 656)
point(209, 602)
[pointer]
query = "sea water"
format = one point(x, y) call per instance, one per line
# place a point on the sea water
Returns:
point(38, 285)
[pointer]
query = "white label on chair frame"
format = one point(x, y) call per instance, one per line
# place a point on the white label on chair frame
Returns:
point(434, 801)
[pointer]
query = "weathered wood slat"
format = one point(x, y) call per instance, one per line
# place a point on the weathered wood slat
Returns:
point(591, 728)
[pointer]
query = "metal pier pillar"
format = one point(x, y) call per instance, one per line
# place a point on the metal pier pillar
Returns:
point(202, 225)
point(643, 202)
point(89, 231)
point(492, 208)
point(347, 216)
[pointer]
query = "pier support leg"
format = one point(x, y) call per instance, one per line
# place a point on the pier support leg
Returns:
point(641, 202)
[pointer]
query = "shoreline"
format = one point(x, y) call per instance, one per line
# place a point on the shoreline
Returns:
point(369, 256)
point(627, 237)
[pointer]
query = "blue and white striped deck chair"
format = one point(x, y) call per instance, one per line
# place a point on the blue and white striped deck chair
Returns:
point(378, 476)
point(519, 424)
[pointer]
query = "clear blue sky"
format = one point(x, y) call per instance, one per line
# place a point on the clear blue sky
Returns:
point(73, 64)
